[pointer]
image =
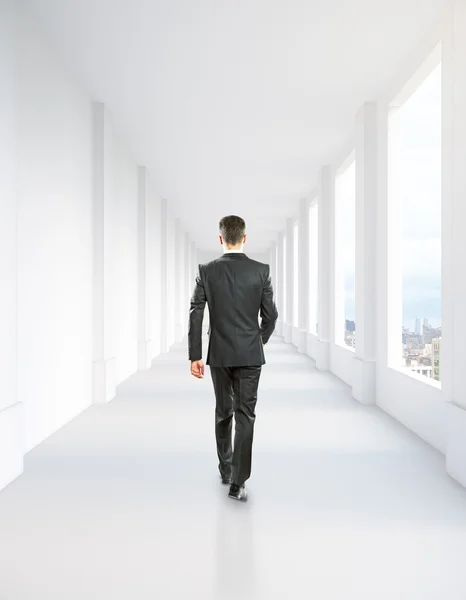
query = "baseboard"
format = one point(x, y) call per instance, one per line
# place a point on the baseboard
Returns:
point(456, 443)
point(364, 381)
point(103, 380)
point(11, 444)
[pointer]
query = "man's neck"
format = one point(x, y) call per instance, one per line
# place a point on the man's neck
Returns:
point(227, 250)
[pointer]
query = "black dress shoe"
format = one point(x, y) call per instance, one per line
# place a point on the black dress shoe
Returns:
point(238, 492)
point(226, 480)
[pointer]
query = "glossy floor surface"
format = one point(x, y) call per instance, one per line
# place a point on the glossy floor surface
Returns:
point(124, 503)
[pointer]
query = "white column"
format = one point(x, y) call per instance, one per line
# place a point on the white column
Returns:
point(366, 251)
point(104, 244)
point(153, 267)
point(193, 269)
point(273, 272)
point(171, 278)
point(177, 275)
point(454, 239)
point(326, 195)
point(188, 282)
point(11, 446)
point(280, 287)
point(303, 255)
point(164, 275)
point(288, 333)
point(273, 268)
point(144, 324)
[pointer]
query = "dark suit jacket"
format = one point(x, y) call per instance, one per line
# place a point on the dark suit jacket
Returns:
point(236, 290)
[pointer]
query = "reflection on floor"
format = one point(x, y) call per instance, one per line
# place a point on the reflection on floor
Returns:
point(125, 502)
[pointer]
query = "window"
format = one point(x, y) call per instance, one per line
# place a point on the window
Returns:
point(295, 273)
point(284, 279)
point(345, 254)
point(313, 267)
point(415, 203)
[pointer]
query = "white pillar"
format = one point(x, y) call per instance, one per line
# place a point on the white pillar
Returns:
point(179, 259)
point(194, 267)
point(153, 267)
point(326, 195)
point(280, 327)
point(366, 272)
point(188, 282)
point(104, 246)
point(288, 333)
point(303, 256)
point(273, 268)
point(171, 280)
point(144, 324)
point(11, 443)
point(454, 239)
point(164, 275)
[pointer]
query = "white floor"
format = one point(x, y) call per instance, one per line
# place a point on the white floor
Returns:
point(125, 504)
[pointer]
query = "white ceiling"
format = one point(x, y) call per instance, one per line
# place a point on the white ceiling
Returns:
point(233, 106)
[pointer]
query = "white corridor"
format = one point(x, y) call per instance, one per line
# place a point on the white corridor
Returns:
point(125, 503)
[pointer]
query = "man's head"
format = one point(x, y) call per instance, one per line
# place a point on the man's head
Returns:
point(232, 232)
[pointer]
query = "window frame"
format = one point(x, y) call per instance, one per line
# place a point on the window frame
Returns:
point(394, 290)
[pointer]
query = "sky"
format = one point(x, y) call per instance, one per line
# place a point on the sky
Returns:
point(418, 122)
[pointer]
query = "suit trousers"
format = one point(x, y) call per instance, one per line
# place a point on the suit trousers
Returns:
point(236, 393)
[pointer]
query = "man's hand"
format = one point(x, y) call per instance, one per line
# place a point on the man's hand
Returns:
point(197, 368)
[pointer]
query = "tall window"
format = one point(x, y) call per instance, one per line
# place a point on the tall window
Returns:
point(295, 272)
point(345, 254)
point(313, 267)
point(284, 279)
point(415, 203)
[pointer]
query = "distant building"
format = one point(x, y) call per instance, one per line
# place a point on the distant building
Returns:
point(416, 365)
point(350, 326)
point(350, 340)
point(437, 358)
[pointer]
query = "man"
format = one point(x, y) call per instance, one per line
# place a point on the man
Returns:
point(237, 289)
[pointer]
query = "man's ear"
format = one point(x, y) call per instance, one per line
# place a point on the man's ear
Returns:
point(244, 239)
point(221, 240)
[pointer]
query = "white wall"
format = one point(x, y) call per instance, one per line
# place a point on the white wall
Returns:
point(70, 262)
point(55, 239)
point(11, 456)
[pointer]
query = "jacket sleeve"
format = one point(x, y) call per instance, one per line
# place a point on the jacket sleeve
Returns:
point(268, 311)
point(196, 316)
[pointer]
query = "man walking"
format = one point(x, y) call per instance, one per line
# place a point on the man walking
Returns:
point(236, 289)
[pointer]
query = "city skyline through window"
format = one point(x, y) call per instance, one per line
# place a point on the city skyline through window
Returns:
point(415, 130)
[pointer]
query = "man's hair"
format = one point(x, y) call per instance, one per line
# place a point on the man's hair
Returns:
point(232, 229)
